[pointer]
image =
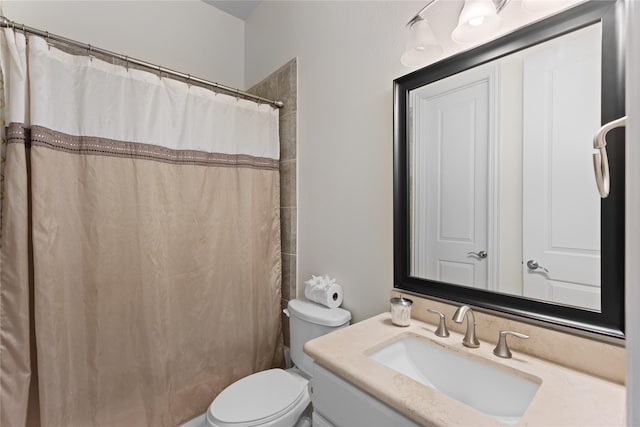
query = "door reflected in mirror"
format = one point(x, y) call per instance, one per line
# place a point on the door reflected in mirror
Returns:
point(501, 189)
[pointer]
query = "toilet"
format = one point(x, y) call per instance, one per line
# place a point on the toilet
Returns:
point(275, 397)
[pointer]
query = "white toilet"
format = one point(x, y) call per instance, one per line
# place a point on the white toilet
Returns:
point(278, 398)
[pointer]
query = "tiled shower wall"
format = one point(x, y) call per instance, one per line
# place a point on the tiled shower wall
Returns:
point(282, 85)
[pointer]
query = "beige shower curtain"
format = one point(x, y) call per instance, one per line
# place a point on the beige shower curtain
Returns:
point(140, 259)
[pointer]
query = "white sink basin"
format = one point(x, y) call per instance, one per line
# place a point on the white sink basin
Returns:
point(475, 381)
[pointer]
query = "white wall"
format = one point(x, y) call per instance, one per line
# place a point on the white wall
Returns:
point(187, 36)
point(348, 55)
point(632, 274)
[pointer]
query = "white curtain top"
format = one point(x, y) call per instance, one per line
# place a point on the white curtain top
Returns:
point(82, 96)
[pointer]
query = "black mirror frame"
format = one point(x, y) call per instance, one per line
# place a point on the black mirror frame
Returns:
point(609, 323)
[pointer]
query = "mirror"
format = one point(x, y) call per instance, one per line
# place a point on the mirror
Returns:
point(495, 202)
point(501, 180)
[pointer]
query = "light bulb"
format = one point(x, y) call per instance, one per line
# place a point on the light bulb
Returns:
point(421, 36)
point(477, 21)
point(422, 46)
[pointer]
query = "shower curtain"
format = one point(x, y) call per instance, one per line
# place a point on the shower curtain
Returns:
point(140, 244)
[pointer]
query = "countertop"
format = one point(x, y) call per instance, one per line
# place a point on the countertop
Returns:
point(565, 397)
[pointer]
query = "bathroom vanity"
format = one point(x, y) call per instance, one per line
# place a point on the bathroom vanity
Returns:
point(351, 386)
point(336, 402)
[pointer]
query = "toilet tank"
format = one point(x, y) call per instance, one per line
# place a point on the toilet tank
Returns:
point(308, 320)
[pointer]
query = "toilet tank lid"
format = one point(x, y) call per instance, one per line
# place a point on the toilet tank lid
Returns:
point(318, 314)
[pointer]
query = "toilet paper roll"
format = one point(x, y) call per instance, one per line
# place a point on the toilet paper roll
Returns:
point(330, 295)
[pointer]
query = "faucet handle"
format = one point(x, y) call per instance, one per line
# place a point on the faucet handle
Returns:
point(442, 330)
point(502, 349)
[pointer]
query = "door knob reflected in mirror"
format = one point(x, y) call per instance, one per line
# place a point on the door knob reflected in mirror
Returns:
point(481, 254)
point(533, 265)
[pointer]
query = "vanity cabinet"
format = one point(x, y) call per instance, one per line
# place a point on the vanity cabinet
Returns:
point(341, 404)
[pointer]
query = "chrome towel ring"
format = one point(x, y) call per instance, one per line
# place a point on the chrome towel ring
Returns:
point(600, 159)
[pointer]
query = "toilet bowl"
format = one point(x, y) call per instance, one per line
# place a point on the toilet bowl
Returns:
point(276, 397)
point(268, 398)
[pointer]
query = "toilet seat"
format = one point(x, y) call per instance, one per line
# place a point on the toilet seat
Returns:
point(259, 399)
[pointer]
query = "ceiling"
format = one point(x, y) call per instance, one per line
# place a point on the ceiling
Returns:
point(238, 8)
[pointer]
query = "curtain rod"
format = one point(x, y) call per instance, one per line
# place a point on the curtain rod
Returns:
point(7, 23)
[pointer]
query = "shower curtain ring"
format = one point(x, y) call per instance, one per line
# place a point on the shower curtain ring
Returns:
point(188, 80)
point(48, 40)
point(89, 50)
point(126, 62)
point(159, 72)
point(237, 95)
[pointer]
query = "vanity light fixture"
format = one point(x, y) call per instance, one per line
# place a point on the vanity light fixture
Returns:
point(478, 20)
point(422, 46)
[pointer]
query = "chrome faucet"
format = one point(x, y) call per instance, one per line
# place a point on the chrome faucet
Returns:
point(469, 339)
point(502, 349)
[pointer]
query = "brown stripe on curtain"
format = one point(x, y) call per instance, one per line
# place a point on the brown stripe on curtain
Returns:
point(107, 147)
point(155, 284)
